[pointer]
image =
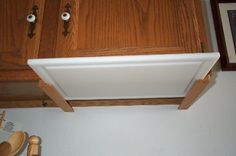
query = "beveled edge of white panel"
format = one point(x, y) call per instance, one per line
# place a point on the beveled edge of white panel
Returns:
point(123, 59)
point(130, 97)
point(208, 59)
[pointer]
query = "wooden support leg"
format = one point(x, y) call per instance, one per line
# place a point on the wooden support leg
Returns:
point(195, 92)
point(55, 96)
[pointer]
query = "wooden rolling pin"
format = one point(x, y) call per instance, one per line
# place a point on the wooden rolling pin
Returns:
point(5, 149)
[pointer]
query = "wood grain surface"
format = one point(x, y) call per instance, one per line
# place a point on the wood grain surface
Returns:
point(202, 28)
point(23, 90)
point(90, 103)
point(17, 139)
point(5, 149)
point(125, 27)
point(27, 103)
point(15, 45)
point(194, 93)
point(34, 146)
point(49, 29)
point(127, 102)
point(13, 25)
point(55, 96)
point(9, 75)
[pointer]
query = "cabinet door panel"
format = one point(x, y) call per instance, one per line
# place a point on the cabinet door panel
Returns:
point(13, 16)
point(123, 27)
point(15, 45)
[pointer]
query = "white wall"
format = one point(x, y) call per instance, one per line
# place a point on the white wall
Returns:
point(208, 128)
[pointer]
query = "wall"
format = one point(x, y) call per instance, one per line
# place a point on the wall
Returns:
point(208, 128)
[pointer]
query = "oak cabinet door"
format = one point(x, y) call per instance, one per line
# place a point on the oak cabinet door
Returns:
point(15, 44)
point(128, 27)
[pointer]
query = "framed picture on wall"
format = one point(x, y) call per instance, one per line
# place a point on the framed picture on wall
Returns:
point(224, 14)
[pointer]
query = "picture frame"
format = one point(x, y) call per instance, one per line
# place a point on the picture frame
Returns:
point(224, 15)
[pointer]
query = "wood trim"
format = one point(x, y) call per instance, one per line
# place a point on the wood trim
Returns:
point(127, 102)
point(122, 51)
point(27, 104)
point(18, 75)
point(201, 25)
point(90, 103)
point(23, 98)
point(55, 96)
point(194, 93)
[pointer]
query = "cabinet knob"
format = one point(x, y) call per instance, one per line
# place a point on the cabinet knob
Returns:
point(31, 18)
point(65, 16)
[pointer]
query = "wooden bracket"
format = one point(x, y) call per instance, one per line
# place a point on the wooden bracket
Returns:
point(55, 96)
point(196, 90)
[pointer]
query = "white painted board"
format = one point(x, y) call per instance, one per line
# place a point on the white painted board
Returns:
point(124, 77)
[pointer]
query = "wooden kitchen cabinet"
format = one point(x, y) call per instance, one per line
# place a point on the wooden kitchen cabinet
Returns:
point(130, 27)
point(100, 27)
point(103, 28)
point(15, 44)
point(97, 28)
point(16, 47)
point(17, 80)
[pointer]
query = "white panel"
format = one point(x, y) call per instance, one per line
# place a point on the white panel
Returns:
point(124, 81)
point(124, 77)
